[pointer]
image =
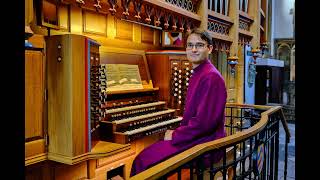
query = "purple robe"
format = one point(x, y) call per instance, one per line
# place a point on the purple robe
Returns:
point(203, 119)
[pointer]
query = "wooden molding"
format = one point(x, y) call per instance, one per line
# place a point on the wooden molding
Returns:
point(173, 8)
point(245, 15)
point(220, 16)
point(102, 149)
point(244, 32)
point(36, 159)
point(220, 36)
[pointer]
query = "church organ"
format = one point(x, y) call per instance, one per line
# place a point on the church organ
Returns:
point(132, 114)
point(175, 72)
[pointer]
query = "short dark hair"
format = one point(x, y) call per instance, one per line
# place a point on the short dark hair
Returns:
point(204, 35)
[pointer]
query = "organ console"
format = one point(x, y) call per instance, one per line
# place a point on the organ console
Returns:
point(133, 114)
point(175, 72)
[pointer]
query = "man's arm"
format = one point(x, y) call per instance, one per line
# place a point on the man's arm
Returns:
point(209, 111)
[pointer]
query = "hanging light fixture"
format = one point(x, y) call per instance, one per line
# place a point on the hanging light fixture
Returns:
point(255, 53)
point(233, 61)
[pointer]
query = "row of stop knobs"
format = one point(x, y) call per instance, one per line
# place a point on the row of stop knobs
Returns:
point(180, 82)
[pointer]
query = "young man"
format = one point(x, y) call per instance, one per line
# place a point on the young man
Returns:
point(203, 118)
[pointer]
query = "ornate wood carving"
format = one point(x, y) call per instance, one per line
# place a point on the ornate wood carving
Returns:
point(218, 26)
point(223, 46)
point(97, 5)
point(113, 4)
point(158, 15)
point(148, 11)
point(188, 5)
point(174, 22)
point(163, 14)
point(125, 5)
point(182, 22)
point(137, 7)
point(244, 40)
point(167, 17)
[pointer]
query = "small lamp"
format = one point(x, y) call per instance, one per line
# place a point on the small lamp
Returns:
point(255, 54)
point(233, 61)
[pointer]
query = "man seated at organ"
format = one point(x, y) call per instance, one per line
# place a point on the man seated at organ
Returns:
point(204, 115)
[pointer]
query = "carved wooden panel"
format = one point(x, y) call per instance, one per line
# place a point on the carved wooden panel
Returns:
point(94, 23)
point(147, 35)
point(64, 17)
point(34, 94)
point(124, 30)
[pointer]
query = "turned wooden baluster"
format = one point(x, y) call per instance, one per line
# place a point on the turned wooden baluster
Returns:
point(148, 10)
point(228, 49)
point(167, 16)
point(174, 21)
point(182, 22)
point(188, 26)
point(158, 15)
point(125, 5)
point(216, 44)
point(97, 6)
point(113, 5)
point(137, 6)
point(223, 47)
point(80, 2)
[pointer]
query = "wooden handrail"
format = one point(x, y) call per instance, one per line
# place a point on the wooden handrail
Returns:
point(176, 161)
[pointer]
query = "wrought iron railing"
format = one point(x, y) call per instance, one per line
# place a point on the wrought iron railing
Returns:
point(249, 151)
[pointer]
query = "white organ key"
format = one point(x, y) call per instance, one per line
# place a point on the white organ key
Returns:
point(144, 116)
point(135, 131)
point(135, 107)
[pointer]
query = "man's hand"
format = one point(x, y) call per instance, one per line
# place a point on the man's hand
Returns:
point(168, 135)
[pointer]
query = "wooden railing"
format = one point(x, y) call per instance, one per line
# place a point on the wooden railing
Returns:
point(241, 149)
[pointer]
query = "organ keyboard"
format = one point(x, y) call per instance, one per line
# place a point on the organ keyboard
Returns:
point(132, 114)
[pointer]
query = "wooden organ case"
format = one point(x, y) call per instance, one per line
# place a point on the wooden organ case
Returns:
point(72, 122)
point(132, 114)
point(89, 126)
point(171, 71)
point(74, 100)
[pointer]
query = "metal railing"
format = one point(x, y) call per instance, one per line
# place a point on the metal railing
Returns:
point(249, 151)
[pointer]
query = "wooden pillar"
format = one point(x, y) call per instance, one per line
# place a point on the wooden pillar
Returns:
point(234, 34)
point(203, 13)
point(254, 7)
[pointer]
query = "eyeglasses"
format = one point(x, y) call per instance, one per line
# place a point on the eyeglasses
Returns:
point(197, 45)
